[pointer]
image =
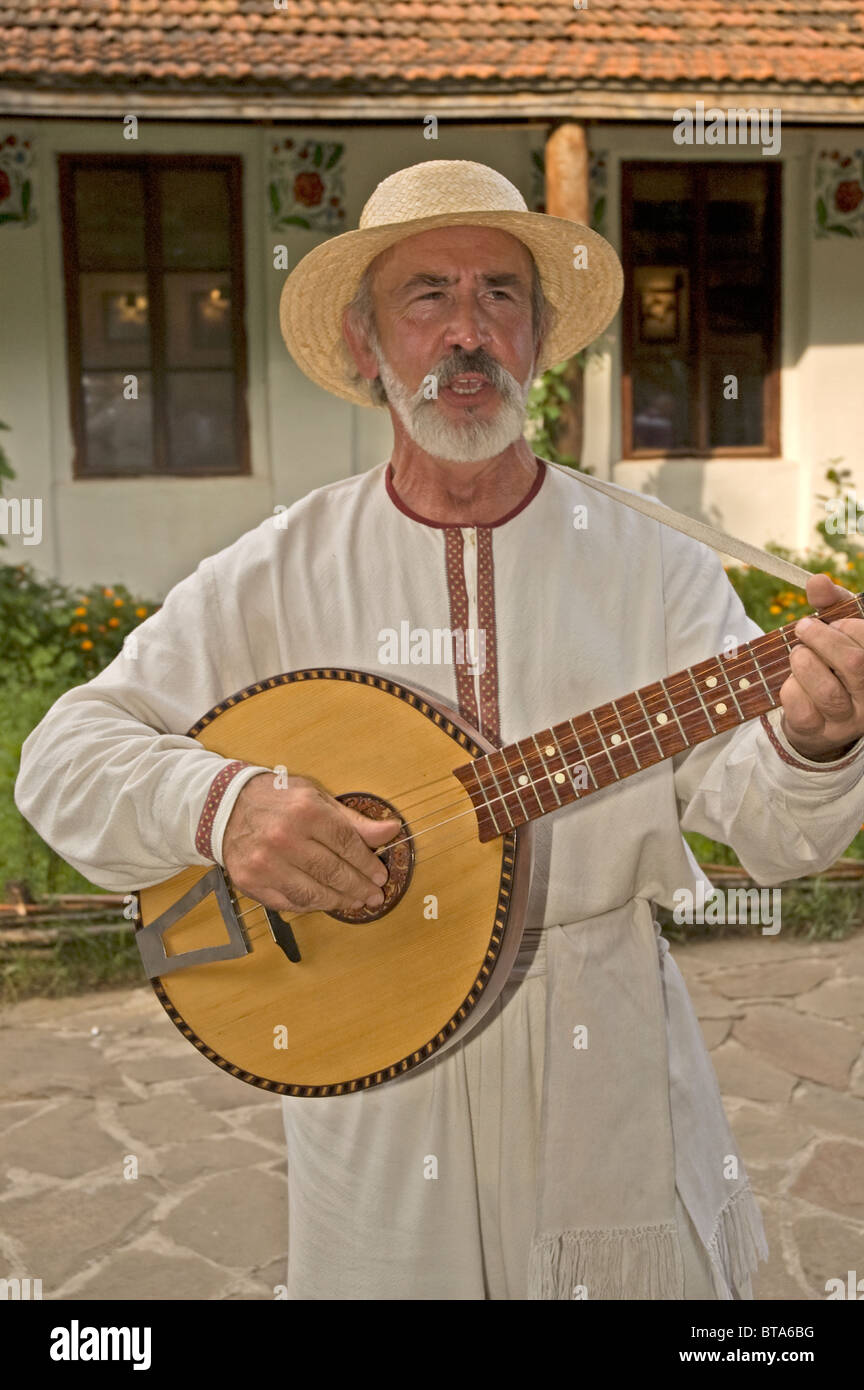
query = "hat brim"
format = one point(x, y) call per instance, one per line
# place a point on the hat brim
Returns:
point(584, 300)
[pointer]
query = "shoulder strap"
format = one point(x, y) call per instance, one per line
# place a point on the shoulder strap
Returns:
point(701, 531)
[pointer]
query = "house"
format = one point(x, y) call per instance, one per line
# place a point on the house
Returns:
point(164, 164)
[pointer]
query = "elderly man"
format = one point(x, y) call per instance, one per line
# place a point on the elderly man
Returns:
point(514, 1165)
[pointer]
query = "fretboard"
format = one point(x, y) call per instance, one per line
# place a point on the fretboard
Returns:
point(556, 766)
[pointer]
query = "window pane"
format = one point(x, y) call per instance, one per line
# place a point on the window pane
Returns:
point(201, 422)
point(115, 327)
point(195, 218)
point(198, 319)
point(109, 213)
point(736, 422)
point(118, 432)
point(660, 404)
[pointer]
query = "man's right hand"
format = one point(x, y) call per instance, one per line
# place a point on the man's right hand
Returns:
point(297, 849)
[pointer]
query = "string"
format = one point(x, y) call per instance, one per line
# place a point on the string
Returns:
point(767, 642)
point(770, 641)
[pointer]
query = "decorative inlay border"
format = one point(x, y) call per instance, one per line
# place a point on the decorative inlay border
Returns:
point(437, 715)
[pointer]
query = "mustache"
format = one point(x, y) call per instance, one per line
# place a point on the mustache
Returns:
point(479, 361)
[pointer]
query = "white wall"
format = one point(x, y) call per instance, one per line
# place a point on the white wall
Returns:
point(822, 359)
point(150, 532)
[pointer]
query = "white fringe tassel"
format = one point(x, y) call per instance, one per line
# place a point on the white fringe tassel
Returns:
point(630, 1262)
point(737, 1245)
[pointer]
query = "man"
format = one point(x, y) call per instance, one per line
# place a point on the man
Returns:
point(574, 1145)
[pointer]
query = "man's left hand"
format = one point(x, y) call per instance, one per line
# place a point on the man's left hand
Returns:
point(823, 699)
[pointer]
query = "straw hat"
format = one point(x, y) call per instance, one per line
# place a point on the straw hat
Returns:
point(443, 193)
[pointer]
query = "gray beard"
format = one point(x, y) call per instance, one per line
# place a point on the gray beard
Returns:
point(467, 441)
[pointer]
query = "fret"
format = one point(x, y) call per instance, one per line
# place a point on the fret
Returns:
point(549, 779)
point(723, 673)
point(604, 749)
point(695, 685)
point(671, 704)
point(496, 804)
point(626, 743)
point(584, 761)
point(709, 698)
point(650, 725)
point(522, 815)
point(528, 781)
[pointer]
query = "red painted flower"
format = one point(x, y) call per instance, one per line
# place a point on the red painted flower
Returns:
point(848, 195)
point(5, 186)
point(308, 188)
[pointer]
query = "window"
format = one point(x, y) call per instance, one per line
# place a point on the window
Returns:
point(701, 307)
point(154, 304)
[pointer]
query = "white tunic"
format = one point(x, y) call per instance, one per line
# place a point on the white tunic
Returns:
point(432, 1187)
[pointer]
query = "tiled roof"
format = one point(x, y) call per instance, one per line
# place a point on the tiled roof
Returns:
point(399, 46)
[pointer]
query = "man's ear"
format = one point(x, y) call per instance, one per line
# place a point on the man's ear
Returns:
point(359, 346)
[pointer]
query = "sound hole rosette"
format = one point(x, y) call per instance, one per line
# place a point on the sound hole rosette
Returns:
point(397, 856)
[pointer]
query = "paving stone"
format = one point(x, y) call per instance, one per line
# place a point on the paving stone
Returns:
point(828, 1248)
point(829, 1110)
point(810, 1047)
point(262, 1285)
point(715, 1031)
point(66, 1142)
point(772, 1279)
point(47, 1065)
point(181, 1162)
point(770, 979)
point(144, 1275)
point(163, 1067)
point(707, 1004)
point(240, 1224)
point(165, 1119)
point(835, 999)
point(834, 1178)
point(767, 1134)
point(757, 951)
point(218, 1091)
point(267, 1124)
point(740, 1073)
point(60, 1231)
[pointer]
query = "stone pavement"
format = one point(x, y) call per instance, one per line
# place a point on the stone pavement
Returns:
point(97, 1085)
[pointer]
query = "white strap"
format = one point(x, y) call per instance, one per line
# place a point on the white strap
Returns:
point(709, 535)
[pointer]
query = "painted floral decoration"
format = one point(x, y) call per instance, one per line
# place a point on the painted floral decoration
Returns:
point(305, 184)
point(16, 182)
point(840, 193)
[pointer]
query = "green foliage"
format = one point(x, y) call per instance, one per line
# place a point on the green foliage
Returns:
point(79, 961)
point(546, 402)
point(6, 470)
point(54, 636)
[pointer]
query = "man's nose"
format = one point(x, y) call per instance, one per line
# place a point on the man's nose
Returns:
point(466, 328)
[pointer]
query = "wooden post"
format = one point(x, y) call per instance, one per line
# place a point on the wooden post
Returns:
point(568, 195)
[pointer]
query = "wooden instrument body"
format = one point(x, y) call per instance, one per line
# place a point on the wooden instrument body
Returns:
point(368, 1002)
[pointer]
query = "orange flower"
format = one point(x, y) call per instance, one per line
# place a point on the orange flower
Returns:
point(81, 612)
point(141, 612)
point(109, 593)
point(775, 608)
point(801, 599)
point(113, 622)
point(118, 603)
point(102, 627)
point(86, 644)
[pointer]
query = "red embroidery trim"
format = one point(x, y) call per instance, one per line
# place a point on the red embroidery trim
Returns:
point(212, 803)
point(796, 762)
point(444, 525)
point(488, 720)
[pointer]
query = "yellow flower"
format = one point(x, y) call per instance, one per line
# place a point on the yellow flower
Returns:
point(141, 612)
point(118, 603)
point(86, 644)
point(81, 612)
point(113, 622)
point(775, 608)
point(851, 565)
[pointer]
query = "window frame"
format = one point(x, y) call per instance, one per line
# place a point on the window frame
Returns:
point(699, 404)
point(150, 165)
